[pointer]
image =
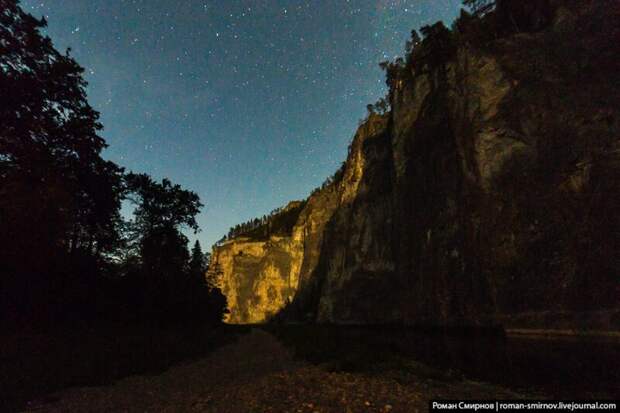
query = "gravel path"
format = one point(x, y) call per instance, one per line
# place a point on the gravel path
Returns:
point(258, 374)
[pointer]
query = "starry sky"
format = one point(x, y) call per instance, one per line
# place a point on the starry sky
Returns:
point(249, 103)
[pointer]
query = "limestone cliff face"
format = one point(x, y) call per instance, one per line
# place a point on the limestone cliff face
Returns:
point(489, 193)
point(260, 277)
point(257, 277)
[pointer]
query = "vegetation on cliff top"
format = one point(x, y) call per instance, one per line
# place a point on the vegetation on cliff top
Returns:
point(509, 159)
point(279, 222)
point(486, 21)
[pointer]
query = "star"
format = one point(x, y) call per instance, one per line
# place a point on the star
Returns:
point(275, 93)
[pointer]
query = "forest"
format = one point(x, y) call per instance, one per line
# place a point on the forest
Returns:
point(67, 254)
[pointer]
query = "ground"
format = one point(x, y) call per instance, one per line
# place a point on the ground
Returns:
point(257, 373)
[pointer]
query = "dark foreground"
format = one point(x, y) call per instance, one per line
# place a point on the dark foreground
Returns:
point(36, 365)
point(291, 369)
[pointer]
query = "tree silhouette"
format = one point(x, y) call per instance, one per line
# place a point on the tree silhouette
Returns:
point(197, 264)
point(411, 45)
point(436, 48)
point(59, 200)
point(164, 253)
point(162, 204)
point(174, 284)
point(162, 210)
point(63, 237)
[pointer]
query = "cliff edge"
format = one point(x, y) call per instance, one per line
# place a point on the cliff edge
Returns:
point(487, 194)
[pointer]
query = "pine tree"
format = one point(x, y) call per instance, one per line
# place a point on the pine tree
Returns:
point(197, 264)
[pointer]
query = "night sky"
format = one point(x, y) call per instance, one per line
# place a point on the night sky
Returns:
point(250, 104)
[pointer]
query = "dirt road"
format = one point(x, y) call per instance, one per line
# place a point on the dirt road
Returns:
point(258, 374)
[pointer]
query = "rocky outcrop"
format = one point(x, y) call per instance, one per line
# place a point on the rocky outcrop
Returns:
point(260, 277)
point(488, 192)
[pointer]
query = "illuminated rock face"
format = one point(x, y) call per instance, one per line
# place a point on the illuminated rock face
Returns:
point(257, 277)
point(486, 195)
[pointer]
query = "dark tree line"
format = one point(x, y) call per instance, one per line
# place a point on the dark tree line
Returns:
point(280, 221)
point(333, 179)
point(65, 249)
point(260, 225)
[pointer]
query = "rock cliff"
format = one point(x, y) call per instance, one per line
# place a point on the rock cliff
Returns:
point(489, 193)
